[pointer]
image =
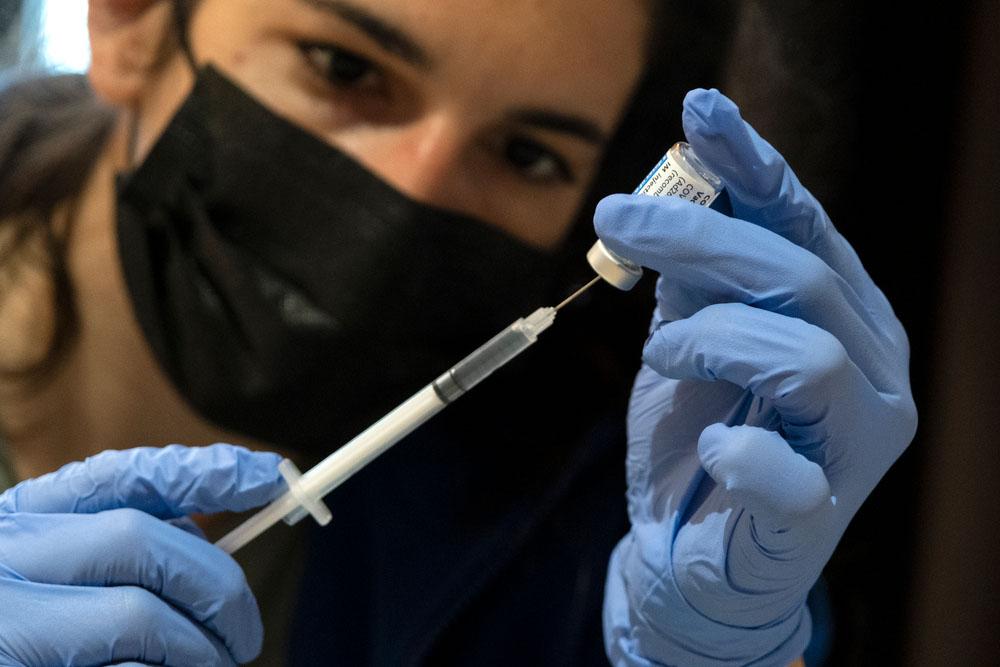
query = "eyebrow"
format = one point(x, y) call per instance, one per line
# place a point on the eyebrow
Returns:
point(388, 36)
point(394, 40)
point(544, 119)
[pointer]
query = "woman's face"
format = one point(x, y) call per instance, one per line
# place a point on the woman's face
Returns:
point(499, 109)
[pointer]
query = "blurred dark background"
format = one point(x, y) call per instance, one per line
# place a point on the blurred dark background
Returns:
point(889, 117)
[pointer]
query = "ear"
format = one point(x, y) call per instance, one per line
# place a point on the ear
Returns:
point(130, 41)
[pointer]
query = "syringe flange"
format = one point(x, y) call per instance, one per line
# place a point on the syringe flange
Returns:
point(307, 504)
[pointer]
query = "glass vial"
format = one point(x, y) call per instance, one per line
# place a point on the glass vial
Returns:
point(679, 174)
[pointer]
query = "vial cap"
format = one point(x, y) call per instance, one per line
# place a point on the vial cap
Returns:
point(616, 270)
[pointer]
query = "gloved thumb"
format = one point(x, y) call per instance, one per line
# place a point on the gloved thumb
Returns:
point(781, 488)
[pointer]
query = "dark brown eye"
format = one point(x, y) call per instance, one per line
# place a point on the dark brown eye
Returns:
point(535, 161)
point(342, 68)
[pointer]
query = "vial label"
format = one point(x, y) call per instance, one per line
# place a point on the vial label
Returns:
point(670, 179)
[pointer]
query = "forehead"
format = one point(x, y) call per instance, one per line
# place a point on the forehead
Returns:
point(583, 54)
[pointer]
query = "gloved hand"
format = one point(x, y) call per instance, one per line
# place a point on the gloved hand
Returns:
point(91, 575)
point(773, 396)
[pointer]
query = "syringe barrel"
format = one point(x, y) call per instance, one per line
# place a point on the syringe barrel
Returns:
point(336, 468)
point(476, 367)
point(466, 374)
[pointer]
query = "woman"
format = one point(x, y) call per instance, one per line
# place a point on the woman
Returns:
point(322, 205)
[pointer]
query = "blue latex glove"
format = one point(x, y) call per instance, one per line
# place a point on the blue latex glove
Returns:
point(91, 575)
point(773, 396)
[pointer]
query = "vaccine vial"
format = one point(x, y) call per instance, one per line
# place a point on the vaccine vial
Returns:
point(679, 174)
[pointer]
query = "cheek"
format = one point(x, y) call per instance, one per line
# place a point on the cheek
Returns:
point(271, 70)
point(542, 220)
point(245, 40)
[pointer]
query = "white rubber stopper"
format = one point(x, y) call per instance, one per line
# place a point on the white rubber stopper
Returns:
point(620, 272)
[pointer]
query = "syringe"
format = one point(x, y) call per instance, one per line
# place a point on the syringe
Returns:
point(679, 174)
point(305, 492)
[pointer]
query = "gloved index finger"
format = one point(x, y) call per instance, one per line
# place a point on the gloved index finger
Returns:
point(763, 188)
point(165, 482)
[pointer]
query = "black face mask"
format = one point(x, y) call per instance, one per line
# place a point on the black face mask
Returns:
point(290, 294)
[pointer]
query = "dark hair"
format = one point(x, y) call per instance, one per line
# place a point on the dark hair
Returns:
point(52, 128)
point(50, 131)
